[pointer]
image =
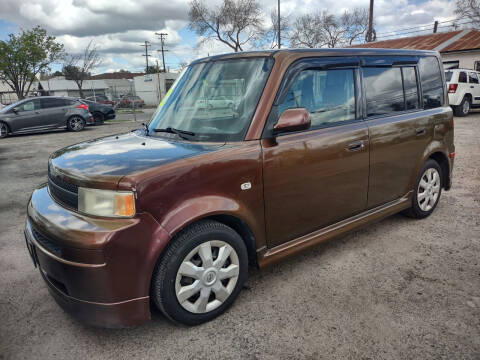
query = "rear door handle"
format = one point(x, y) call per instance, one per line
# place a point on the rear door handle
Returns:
point(420, 131)
point(471, 86)
point(356, 146)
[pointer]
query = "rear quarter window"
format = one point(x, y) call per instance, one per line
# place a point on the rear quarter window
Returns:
point(432, 84)
point(448, 75)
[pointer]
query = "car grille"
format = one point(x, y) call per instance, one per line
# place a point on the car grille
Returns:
point(63, 191)
point(47, 243)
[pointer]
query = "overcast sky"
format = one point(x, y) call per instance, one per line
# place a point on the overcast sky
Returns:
point(119, 27)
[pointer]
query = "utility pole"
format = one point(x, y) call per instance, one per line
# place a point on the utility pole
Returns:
point(278, 25)
point(370, 23)
point(147, 44)
point(162, 41)
point(435, 27)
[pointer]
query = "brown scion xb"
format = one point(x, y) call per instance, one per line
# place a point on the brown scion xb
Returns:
point(252, 157)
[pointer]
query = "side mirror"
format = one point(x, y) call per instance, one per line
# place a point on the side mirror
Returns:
point(293, 120)
point(15, 110)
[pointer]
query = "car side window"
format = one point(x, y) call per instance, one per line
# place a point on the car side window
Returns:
point(410, 85)
point(52, 103)
point(472, 78)
point(462, 77)
point(31, 105)
point(432, 84)
point(328, 95)
point(384, 90)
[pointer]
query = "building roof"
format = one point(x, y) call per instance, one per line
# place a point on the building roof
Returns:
point(62, 84)
point(460, 40)
point(115, 76)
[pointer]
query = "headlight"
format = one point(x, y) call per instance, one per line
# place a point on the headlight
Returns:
point(106, 202)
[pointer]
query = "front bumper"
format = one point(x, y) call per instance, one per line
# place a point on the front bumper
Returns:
point(98, 270)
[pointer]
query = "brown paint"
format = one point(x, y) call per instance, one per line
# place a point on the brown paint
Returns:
point(307, 186)
point(293, 120)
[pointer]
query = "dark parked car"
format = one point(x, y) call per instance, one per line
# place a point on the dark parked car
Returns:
point(322, 142)
point(100, 112)
point(101, 99)
point(44, 113)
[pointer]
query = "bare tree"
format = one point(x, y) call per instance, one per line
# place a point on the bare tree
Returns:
point(234, 22)
point(322, 29)
point(79, 67)
point(306, 31)
point(469, 9)
point(355, 24)
point(269, 38)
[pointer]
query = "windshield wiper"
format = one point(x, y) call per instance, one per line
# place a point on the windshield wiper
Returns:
point(180, 133)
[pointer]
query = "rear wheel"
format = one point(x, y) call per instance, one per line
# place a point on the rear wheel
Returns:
point(427, 190)
point(3, 130)
point(464, 108)
point(201, 273)
point(75, 123)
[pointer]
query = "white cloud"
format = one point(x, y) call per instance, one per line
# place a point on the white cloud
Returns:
point(118, 27)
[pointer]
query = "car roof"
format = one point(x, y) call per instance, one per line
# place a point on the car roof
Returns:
point(320, 52)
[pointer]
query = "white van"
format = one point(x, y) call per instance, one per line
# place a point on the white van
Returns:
point(463, 90)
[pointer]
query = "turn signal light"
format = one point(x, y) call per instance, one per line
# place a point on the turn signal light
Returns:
point(452, 88)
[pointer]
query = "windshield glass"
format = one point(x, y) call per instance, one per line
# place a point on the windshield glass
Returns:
point(214, 101)
point(448, 75)
point(11, 106)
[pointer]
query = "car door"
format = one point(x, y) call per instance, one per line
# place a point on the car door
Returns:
point(474, 86)
point(316, 177)
point(53, 112)
point(26, 117)
point(399, 128)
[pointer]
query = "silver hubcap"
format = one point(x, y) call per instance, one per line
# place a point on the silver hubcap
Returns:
point(207, 276)
point(76, 123)
point(428, 189)
point(3, 130)
point(466, 107)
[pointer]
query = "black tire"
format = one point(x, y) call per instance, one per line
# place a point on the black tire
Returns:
point(99, 118)
point(165, 274)
point(4, 130)
point(464, 108)
point(75, 123)
point(416, 211)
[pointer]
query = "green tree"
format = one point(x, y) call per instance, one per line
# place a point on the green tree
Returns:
point(24, 56)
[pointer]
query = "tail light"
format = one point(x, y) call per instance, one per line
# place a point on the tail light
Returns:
point(82, 106)
point(452, 88)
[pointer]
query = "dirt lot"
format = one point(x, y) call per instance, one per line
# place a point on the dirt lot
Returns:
point(400, 289)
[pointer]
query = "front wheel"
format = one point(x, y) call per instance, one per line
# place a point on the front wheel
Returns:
point(201, 273)
point(75, 123)
point(99, 118)
point(3, 130)
point(427, 190)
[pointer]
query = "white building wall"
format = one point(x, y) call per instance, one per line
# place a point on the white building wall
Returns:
point(466, 59)
point(148, 89)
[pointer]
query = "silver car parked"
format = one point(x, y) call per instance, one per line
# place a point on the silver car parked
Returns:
point(44, 113)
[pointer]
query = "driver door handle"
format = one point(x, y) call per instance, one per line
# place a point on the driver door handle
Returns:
point(356, 145)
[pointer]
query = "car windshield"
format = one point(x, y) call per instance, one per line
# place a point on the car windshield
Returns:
point(214, 100)
point(11, 106)
point(448, 75)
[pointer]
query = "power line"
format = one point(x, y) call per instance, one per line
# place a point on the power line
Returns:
point(430, 28)
point(395, 32)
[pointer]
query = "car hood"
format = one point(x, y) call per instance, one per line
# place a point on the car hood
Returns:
point(103, 162)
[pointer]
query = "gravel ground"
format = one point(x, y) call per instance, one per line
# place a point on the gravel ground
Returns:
point(399, 289)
